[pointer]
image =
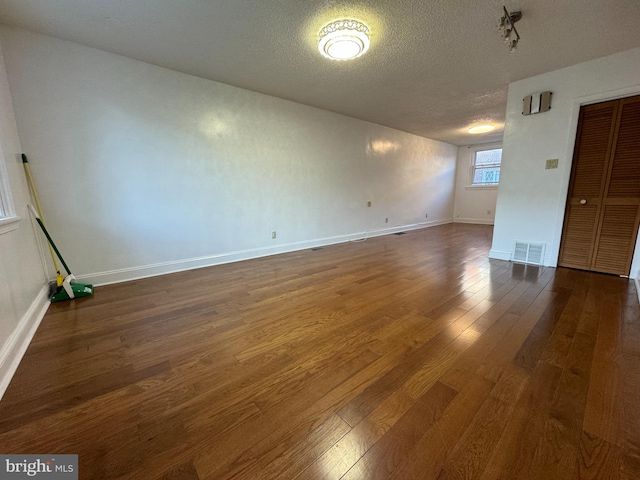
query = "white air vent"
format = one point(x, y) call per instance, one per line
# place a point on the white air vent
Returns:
point(526, 252)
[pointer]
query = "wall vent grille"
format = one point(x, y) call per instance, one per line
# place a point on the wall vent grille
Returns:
point(527, 252)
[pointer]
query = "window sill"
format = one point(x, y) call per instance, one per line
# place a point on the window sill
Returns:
point(9, 224)
point(481, 187)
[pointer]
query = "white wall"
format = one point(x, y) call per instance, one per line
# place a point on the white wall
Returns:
point(531, 200)
point(143, 170)
point(636, 260)
point(23, 291)
point(473, 204)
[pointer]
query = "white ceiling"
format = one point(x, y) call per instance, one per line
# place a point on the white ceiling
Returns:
point(435, 67)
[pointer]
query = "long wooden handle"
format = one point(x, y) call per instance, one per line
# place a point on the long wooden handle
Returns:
point(34, 193)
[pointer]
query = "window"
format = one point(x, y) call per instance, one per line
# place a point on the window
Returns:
point(2, 207)
point(8, 218)
point(4, 193)
point(486, 167)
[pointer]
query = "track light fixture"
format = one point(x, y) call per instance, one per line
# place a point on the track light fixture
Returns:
point(507, 28)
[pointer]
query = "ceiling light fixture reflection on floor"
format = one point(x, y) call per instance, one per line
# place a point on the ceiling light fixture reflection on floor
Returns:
point(507, 28)
point(344, 40)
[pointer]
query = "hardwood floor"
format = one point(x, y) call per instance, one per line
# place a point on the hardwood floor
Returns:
point(404, 357)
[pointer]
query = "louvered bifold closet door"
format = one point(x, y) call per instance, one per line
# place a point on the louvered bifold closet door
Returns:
point(620, 214)
point(596, 130)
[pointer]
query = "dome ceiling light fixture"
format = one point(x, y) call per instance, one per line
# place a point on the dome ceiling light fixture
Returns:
point(481, 129)
point(344, 40)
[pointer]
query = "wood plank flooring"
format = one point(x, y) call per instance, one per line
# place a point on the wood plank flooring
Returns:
point(402, 357)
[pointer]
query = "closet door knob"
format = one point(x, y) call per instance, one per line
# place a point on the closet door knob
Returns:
point(583, 202)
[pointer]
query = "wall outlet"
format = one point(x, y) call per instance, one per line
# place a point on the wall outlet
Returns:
point(273, 234)
point(426, 215)
point(551, 163)
point(369, 203)
point(386, 220)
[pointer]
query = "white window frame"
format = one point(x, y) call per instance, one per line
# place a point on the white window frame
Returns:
point(472, 161)
point(8, 219)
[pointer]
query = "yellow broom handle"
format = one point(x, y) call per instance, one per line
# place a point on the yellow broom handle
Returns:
point(32, 187)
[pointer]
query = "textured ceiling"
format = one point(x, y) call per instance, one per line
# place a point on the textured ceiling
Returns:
point(434, 68)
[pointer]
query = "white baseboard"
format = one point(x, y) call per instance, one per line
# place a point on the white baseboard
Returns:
point(16, 345)
point(499, 254)
point(637, 280)
point(145, 271)
point(476, 221)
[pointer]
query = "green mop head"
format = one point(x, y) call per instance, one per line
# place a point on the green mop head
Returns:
point(71, 290)
point(66, 289)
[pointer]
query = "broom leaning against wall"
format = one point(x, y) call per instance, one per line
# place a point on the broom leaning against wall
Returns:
point(64, 288)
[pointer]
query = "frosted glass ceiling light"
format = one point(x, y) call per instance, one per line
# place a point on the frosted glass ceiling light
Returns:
point(344, 40)
point(481, 129)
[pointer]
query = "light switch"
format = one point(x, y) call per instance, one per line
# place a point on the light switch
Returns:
point(551, 163)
